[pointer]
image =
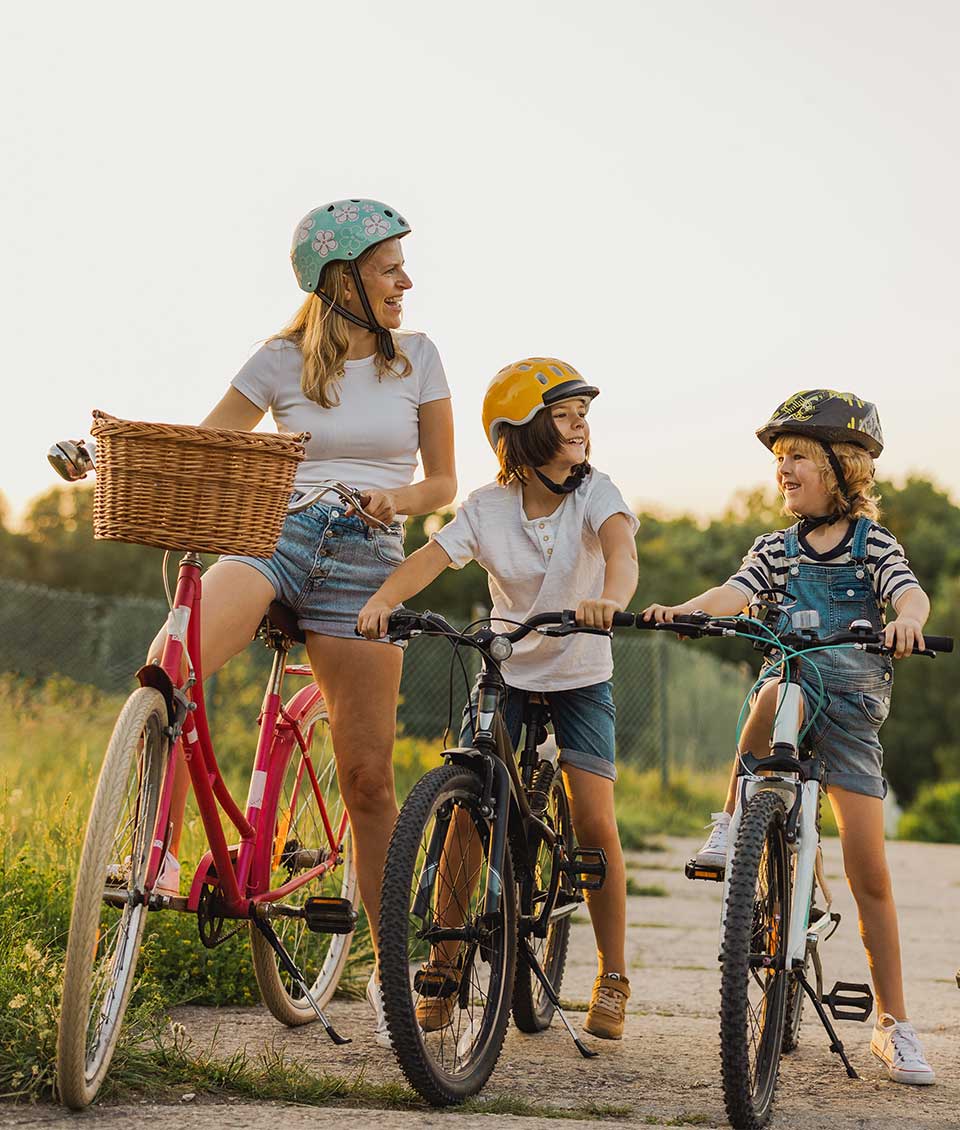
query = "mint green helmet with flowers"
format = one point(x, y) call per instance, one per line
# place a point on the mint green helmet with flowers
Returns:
point(342, 230)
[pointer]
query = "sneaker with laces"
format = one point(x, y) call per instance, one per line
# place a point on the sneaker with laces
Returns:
point(438, 986)
point(896, 1044)
point(381, 1033)
point(714, 851)
point(608, 1007)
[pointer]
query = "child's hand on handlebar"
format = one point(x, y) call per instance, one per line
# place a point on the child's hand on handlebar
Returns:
point(597, 613)
point(665, 613)
point(379, 504)
point(374, 618)
point(904, 635)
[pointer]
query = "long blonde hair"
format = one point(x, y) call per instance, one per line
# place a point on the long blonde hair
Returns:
point(321, 336)
point(861, 500)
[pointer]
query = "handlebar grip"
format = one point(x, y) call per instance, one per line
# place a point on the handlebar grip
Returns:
point(623, 619)
point(938, 643)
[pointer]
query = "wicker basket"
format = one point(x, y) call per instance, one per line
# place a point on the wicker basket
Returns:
point(201, 489)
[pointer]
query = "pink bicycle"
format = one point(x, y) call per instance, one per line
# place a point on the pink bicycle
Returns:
point(289, 874)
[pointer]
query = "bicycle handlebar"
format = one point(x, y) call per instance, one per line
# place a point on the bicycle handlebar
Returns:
point(405, 623)
point(697, 625)
point(346, 494)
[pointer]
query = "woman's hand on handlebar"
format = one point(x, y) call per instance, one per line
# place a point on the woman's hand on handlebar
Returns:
point(379, 504)
point(374, 617)
point(903, 636)
point(597, 613)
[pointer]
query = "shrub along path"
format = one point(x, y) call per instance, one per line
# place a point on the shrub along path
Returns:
point(666, 1070)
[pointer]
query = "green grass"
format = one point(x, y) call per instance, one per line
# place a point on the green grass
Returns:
point(645, 890)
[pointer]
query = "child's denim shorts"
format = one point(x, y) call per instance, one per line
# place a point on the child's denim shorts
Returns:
point(584, 722)
point(846, 732)
point(326, 567)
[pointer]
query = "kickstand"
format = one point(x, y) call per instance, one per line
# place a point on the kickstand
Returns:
point(292, 971)
point(835, 1045)
point(531, 959)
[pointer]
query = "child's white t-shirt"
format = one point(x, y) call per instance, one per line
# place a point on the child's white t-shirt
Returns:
point(540, 565)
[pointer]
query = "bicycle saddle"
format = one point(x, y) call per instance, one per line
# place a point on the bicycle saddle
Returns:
point(280, 618)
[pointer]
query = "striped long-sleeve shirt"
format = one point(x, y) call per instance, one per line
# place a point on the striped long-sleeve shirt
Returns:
point(765, 564)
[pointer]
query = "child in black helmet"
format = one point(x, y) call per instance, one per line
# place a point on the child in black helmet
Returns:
point(838, 561)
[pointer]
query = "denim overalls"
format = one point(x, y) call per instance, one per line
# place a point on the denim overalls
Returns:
point(856, 684)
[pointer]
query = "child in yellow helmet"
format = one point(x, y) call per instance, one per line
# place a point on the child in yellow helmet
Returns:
point(552, 533)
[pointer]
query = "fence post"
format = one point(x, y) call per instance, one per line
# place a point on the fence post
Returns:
point(663, 708)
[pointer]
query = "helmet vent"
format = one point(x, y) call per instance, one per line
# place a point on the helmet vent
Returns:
point(330, 209)
point(387, 212)
point(556, 370)
point(543, 378)
point(523, 368)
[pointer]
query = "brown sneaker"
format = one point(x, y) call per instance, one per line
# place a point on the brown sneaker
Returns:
point(608, 1007)
point(437, 986)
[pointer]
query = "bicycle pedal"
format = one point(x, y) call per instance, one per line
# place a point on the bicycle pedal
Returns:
point(714, 872)
point(586, 869)
point(329, 915)
point(849, 1001)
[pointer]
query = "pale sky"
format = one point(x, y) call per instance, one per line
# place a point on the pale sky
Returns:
point(702, 206)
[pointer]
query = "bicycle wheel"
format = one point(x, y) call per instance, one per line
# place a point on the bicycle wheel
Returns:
point(753, 981)
point(109, 908)
point(434, 883)
point(532, 1010)
point(300, 841)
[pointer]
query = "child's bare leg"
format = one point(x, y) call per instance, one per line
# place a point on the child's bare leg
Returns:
point(860, 822)
point(457, 875)
point(595, 823)
point(755, 736)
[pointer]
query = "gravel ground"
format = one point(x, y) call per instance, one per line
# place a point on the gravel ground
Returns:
point(666, 1070)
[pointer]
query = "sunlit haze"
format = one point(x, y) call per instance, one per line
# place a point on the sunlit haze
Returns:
point(704, 207)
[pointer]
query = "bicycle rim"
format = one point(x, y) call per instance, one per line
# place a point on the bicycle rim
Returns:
point(532, 1010)
point(447, 1038)
point(109, 909)
point(299, 842)
point(754, 982)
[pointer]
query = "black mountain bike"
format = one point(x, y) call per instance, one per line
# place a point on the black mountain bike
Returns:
point(481, 878)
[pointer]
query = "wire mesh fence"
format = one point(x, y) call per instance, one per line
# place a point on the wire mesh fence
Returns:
point(676, 707)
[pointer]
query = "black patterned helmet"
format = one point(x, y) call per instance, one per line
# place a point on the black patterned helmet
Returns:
point(827, 416)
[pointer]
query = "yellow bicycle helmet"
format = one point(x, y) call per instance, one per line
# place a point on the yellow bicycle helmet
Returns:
point(518, 392)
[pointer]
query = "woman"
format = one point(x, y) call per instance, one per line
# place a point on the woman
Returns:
point(371, 399)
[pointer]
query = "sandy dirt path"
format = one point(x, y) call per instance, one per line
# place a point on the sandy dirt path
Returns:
point(666, 1070)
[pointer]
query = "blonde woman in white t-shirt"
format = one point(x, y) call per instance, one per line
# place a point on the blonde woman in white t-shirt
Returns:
point(552, 533)
point(372, 398)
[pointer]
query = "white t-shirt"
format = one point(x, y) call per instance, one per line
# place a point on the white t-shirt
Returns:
point(371, 438)
point(540, 565)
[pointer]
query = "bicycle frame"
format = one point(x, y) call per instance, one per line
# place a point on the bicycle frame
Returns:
point(241, 872)
point(805, 843)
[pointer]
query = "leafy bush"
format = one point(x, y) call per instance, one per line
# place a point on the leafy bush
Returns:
point(934, 816)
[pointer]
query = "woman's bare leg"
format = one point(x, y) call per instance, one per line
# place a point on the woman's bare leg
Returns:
point(360, 681)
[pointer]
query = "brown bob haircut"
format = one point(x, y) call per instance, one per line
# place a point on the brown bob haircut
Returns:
point(534, 444)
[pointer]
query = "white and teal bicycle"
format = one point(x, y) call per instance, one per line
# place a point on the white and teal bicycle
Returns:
point(777, 908)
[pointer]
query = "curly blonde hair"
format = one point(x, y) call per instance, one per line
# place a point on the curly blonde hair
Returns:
point(321, 336)
point(862, 500)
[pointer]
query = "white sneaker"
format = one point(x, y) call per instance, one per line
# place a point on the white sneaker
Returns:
point(896, 1044)
point(381, 1033)
point(714, 851)
point(168, 879)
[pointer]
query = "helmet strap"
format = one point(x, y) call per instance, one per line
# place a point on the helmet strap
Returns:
point(837, 468)
point(570, 483)
point(808, 525)
point(384, 336)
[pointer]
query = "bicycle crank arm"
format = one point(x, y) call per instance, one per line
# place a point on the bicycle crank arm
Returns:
point(531, 959)
point(292, 971)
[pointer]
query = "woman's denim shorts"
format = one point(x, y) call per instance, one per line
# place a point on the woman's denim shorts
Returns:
point(326, 567)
